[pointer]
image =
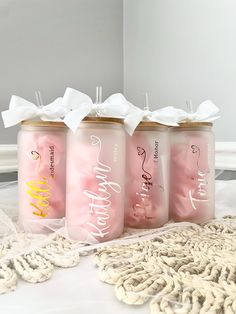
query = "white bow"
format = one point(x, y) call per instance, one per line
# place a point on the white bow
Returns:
point(81, 105)
point(21, 109)
point(206, 112)
point(166, 116)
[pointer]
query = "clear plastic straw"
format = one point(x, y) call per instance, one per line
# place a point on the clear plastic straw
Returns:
point(146, 107)
point(97, 95)
point(100, 94)
point(39, 99)
point(189, 106)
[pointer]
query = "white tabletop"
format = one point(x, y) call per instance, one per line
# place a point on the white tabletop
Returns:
point(75, 290)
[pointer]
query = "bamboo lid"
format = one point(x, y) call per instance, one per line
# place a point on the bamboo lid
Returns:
point(193, 124)
point(103, 119)
point(43, 123)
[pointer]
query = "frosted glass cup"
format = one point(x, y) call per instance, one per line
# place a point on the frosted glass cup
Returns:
point(192, 172)
point(41, 172)
point(95, 180)
point(147, 156)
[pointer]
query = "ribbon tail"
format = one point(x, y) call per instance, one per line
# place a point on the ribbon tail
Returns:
point(8, 119)
point(13, 117)
point(19, 109)
point(132, 121)
point(207, 111)
point(74, 117)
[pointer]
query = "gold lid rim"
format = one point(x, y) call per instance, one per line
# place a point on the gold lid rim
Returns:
point(103, 119)
point(192, 124)
point(151, 123)
point(43, 123)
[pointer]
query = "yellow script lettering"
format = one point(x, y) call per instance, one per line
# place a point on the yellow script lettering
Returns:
point(39, 191)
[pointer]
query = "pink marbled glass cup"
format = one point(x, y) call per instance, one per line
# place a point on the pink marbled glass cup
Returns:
point(41, 172)
point(147, 156)
point(192, 173)
point(95, 180)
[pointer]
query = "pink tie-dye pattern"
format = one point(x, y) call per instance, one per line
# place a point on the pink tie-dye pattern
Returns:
point(146, 205)
point(36, 170)
point(192, 176)
point(95, 199)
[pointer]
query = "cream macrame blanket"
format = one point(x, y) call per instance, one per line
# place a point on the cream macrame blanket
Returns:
point(36, 264)
point(186, 270)
point(180, 268)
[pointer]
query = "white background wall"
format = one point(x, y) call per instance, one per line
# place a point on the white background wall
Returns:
point(173, 49)
point(48, 45)
point(182, 49)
